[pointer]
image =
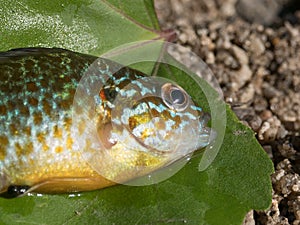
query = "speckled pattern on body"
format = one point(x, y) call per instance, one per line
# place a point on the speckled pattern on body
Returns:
point(37, 88)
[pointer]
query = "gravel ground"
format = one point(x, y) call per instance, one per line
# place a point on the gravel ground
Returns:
point(253, 48)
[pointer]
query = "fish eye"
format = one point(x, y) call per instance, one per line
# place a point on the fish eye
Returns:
point(174, 97)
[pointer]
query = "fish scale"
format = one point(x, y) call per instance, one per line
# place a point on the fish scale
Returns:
point(39, 149)
point(35, 115)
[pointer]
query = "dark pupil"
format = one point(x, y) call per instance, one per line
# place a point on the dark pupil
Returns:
point(177, 97)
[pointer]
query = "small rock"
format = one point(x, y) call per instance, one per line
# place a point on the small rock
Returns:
point(293, 31)
point(266, 114)
point(240, 54)
point(289, 183)
point(282, 132)
point(256, 45)
point(260, 104)
point(210, 58)
point(241, 76)
point(249, 219)
point(287, 150)
point(296, 208)
point(246, 94)
point(223, 56)
point(269, 129)
point(269, 91)
point(255, 123)
point(258, 11)
point(285, 165)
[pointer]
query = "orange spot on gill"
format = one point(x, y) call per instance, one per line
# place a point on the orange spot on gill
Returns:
point(102, 94)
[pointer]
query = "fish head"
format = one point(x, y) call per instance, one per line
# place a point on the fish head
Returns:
point(143, 124)
point(157, 117)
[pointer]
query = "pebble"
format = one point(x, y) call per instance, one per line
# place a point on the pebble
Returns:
point(246, 94)
point(249, 219)
point(258, 11)
point(266, 114)
point(256, 45)
point(269, 129)
point(240, 54)
point(240, 77)
point(287, 150)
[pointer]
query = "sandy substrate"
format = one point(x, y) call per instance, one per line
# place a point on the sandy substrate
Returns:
point(253, 48)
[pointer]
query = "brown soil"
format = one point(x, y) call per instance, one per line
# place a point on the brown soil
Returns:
point(253, 48)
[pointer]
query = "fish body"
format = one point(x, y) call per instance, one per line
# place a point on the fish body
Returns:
point(58, 136)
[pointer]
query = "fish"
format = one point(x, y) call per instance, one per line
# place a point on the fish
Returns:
point(72, 122)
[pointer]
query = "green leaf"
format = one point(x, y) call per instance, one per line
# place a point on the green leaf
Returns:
point(87, 26)
point(237, 180)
